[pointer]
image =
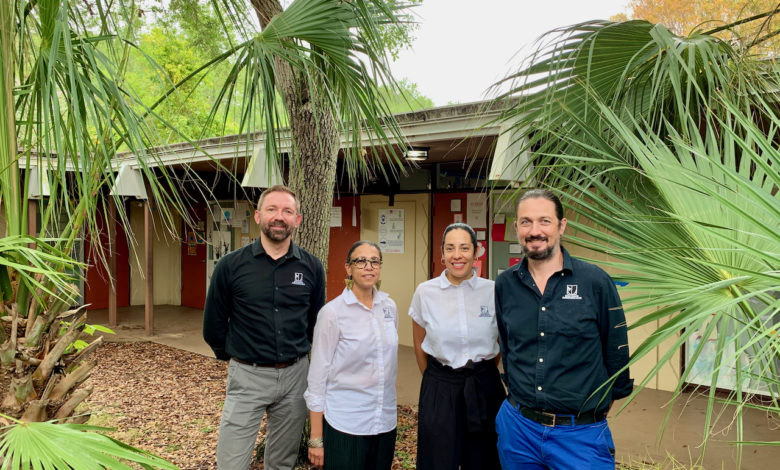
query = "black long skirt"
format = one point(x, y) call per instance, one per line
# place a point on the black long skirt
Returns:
point(345, 451)
point(457, 415)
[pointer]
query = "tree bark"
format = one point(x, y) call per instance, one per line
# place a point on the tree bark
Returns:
point(19, 391)
point(53, 356)
point(84, 353)
point(69, 406)
point(72, 380)
point(35, 412)
point(315, 148)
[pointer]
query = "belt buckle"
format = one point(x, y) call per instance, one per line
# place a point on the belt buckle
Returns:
point(545, 413)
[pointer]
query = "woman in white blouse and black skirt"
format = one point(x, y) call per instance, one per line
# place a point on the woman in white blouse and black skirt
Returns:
point(354, 365)
point(456, 346)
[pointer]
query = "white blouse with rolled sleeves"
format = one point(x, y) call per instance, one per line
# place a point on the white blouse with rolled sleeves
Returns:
point(459, 320)
point(354, 364)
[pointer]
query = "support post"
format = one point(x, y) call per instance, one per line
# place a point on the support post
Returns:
point(112, 277)
point(32, 220)
point(149, 269)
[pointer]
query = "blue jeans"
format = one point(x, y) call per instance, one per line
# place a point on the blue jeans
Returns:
point(526, 444)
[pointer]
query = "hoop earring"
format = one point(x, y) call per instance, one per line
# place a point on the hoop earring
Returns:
point(349, 282)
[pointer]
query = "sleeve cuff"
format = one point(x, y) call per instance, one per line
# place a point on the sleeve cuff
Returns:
point(416, 317)
point(313, 402)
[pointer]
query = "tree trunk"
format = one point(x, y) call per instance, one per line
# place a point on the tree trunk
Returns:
point(315, 148)
point(41, 379)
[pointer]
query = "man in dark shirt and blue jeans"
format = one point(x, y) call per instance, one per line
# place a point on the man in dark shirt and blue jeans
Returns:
point(260, 310)
point(563, 336)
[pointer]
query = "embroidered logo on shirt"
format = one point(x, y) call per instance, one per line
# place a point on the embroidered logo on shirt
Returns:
point(298, 280)
point(484, 312)
point(388, 313)
point(571, 292)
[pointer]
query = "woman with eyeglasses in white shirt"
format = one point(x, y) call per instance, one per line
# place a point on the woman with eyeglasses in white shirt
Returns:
point(456, 347)
point(354, 365)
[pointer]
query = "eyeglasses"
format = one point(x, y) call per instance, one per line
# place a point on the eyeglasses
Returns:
point(362, 263)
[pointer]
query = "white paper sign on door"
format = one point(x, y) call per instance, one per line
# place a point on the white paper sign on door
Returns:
point(391, 230)
point(476, 210)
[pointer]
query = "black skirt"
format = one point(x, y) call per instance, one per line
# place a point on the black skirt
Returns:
point(457, 416)
point(345, 451)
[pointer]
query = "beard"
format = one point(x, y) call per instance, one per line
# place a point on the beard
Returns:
point(537, 255)
point(277, 235)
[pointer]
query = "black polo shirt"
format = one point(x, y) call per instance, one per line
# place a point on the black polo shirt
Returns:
point(560, 347)
point(263, 310)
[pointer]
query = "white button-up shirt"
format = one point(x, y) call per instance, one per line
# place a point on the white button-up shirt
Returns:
point(354, 364)
point(459, 320)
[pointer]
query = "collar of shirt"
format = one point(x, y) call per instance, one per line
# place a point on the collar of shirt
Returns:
point(521, 269)
point(444, 281)
point(350, 299)
point(294, 251)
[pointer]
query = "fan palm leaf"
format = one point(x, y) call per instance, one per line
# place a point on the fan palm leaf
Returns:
point(49, 445)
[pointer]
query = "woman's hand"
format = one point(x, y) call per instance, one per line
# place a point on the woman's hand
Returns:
point(316, 452)
point(317, 456)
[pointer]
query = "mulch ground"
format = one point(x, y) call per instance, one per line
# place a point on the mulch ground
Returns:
point(169, 402)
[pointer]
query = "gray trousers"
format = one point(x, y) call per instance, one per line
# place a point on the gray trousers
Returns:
point(252, 392)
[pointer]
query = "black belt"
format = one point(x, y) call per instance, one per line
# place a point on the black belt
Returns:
point(550, 419)
point(274, 365)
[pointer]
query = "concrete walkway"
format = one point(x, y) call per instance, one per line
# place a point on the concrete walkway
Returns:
point(635, 429)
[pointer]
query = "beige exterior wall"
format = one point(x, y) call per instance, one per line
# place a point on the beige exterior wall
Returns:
point(167, 259)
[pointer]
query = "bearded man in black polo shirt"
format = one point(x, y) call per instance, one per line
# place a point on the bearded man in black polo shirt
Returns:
point(260, 310)
point(563, 335)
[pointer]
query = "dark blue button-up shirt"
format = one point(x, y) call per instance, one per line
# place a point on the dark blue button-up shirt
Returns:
point(559, 347)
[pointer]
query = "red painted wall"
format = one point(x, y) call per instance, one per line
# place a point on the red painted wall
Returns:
point(96, 286)
point(341, 239)
point(193, 260)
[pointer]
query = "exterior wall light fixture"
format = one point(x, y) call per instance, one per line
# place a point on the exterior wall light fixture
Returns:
point(416, 154)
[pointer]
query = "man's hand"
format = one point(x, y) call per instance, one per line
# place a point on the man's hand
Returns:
point(317, 456)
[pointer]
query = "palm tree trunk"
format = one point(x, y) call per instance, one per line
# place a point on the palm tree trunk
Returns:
point(316, 145)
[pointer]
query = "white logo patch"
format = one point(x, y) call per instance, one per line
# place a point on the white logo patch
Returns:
point(571, 292)
point(298, 280)
point(388, 313)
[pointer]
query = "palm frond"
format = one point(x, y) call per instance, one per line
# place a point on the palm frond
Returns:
point(50, 445)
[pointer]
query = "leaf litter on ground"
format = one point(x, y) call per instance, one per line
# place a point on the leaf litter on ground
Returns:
point(169, 402)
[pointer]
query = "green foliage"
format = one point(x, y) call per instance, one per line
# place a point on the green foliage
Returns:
point(29, 258)
point(399, 35)
point(80, 344)
point(175, 40)
point(405, 98)
point(49, 445)
point(172, 44)
point(336, 53)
